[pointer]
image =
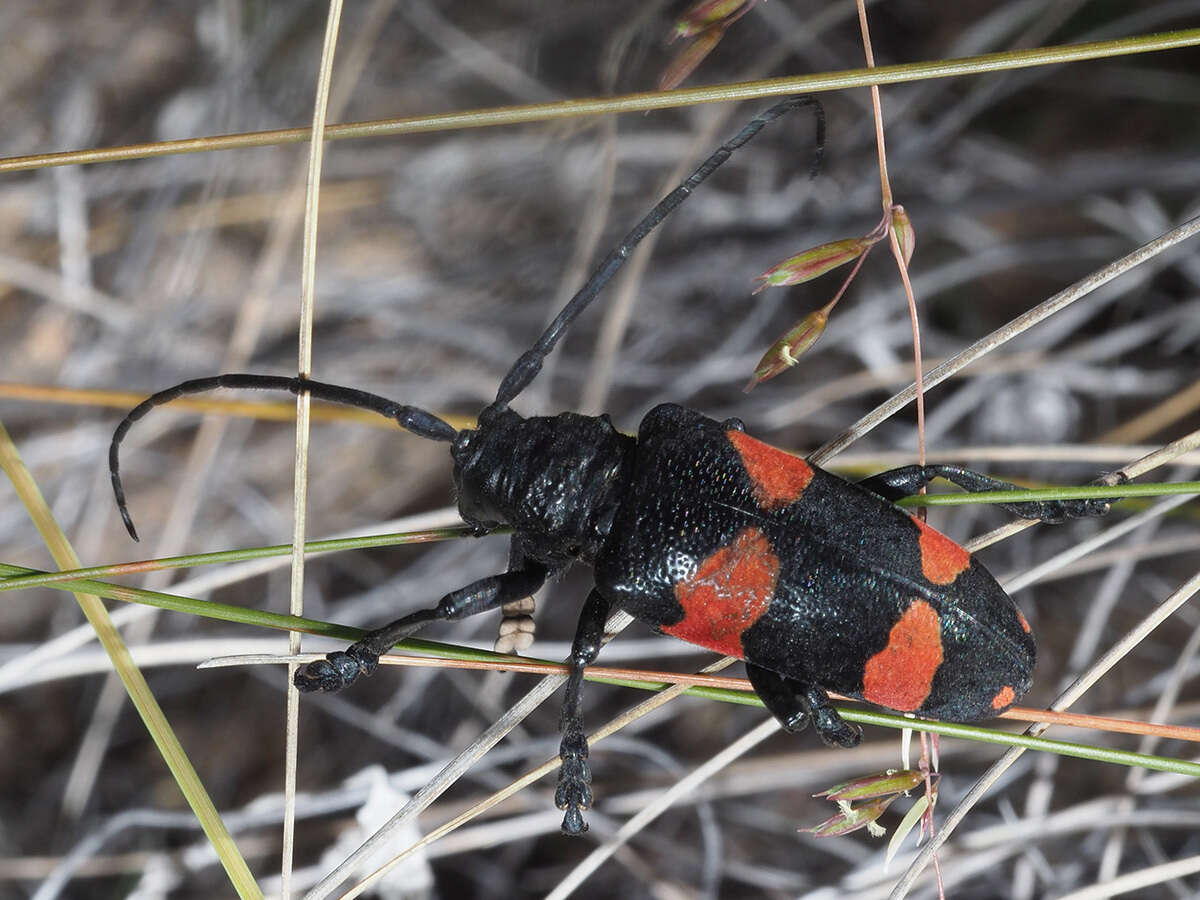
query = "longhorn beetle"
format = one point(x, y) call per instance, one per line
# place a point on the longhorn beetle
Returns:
point(705, 533)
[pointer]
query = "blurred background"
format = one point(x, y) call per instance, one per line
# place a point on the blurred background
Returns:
point(441, 257)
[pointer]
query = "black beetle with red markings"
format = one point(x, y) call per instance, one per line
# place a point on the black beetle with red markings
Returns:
point(707, 534)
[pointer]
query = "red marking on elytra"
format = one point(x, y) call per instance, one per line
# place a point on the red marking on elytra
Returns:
point(942, 560)
point(1004, 698)
point(1024, 622)
point(727, 594)
point(778, 478)
point(901, 674)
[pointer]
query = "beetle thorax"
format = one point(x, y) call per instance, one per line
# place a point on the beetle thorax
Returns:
point(556, 480)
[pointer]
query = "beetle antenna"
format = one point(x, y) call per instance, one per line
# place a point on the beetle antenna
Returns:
point(525, 369)
point(410, 418)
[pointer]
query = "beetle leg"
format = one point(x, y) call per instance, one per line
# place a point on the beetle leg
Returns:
point(778, 695)
point(908, 480)
point(342, 668)
point(795, 703)
point(832, 728)
point(573, 794)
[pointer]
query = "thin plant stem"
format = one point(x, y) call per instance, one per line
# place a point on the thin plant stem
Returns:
point(637, 102)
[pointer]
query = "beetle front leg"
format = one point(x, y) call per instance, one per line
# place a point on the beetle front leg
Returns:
point(341, 668)
point(796, 703)
point(574, 794)
point(908, 480)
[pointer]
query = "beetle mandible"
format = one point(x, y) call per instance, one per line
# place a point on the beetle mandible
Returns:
point(707, 534)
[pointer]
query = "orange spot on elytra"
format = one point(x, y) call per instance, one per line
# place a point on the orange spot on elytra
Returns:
point(901, 674)
point(778, 478)
point(1004, 697)
point(727, 594)
point(942, 560)
point(1024, 622)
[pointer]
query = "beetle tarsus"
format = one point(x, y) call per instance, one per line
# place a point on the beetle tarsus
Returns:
point(573, 794)
point(336, 671)
point(835, 731)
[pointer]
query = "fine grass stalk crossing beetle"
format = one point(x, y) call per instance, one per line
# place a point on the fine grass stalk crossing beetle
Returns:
point(704, 533)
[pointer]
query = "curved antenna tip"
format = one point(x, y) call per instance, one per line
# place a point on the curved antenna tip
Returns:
point(119, 496)
point(128, 520)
